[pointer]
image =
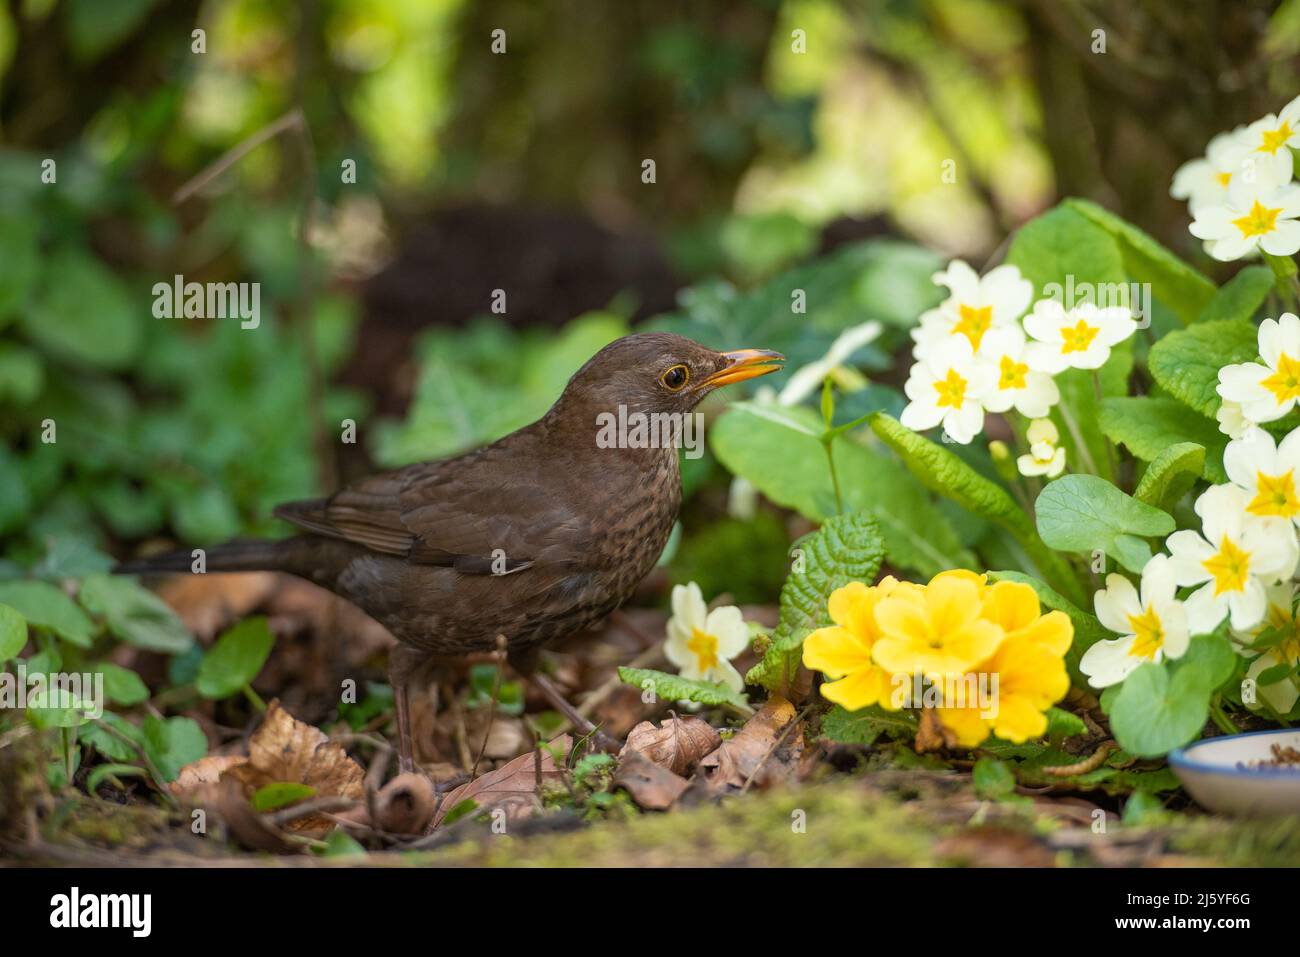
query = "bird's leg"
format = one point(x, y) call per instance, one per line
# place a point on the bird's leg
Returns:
point(553, 694)
point(403, 662)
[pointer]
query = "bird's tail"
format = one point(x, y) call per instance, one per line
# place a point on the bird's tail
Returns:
point(237, 556)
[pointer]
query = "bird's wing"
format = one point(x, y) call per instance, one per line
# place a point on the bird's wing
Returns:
point(476, 514)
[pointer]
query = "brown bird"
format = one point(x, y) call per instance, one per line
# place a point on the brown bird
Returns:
point(541, 534)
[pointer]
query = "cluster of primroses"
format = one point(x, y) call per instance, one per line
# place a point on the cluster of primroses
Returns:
point(1241, 564)
point(995, 660)
point(1240, 194)
point(974, 354)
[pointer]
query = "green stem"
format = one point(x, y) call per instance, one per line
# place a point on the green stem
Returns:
point(1221, 718)
point(835, 479)
point(1111, 461)
point(1085, 454)
point(253, 697)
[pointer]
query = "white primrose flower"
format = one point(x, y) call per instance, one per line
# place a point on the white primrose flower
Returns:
point(1273, 136)
point(1028, 391)
point(1267, 471)
point(1154, 624)
point(946, 387)
point(1204, 181)
point(975, 306)
point(808, 379)
point(1232, 421)
point(1235, 555)
point(1078, 338)
point(1285, 648)
point(1269, 390)
point(1045, 456)
point(701, 643)
point(1260, 212)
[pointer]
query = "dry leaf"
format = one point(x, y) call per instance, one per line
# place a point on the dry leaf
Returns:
point(513, 786)
point(197, 782)
point(285, 749)
point(766, 749)
point(652, 786)
point(678, 745)
point(931, 735)
point(209, 603)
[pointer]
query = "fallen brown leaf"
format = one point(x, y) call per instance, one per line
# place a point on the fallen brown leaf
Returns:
point(931, 735)
point(677, 745)
point(767, 749)
point(513, 786)
point(652, 786)
point(208, 603)
point(197, 782)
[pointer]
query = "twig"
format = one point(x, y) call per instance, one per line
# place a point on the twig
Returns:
point(159, 781)
point(289, 121)
point(321, 805)
point(492, 705)
point(775, 746)
point(594, 700)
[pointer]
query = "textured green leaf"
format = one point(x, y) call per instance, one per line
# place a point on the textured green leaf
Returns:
point(993, 779)
point(1087, 629)
point(45, 606)
point(1186, 362)
point(1147, 427)
point(668, 687)
point(941, 471)
point(847, 548)
point(1171, 475)
point(134, 614)
point(1240, 296)
point(865, 725)
point(1082, 513)
point(235, 659)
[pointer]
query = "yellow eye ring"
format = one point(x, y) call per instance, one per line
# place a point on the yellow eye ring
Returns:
point(675, 378)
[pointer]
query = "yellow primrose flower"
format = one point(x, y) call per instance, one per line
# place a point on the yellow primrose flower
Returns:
point(843, 651)
point(935, 631)
point(1014, 606)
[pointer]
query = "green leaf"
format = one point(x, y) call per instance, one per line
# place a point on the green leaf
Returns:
point(1148, 427)
point(1064, 243)
point(1064, 724)
point(1183, 289)
point(1131, 552)
point(1155, 713)
point(15, 499)
point(1171, 475)
point(109, 745)
point(22, 374)
point(1081, 513)
point(235, 659)
point(278, 794)
point(668, 687)
point(172, 743)
point(1087, 629)
point(847, 548)
point(941, 471)
point(122, 685)
point(339, 843)
point(13, 633)
point(865, 725)
point(1240, 296)
point(1186, 362)
point(134, 614)
point(85, 314)
point(1210, 661)
point(20, 262)
point(45, 606)
point(94, 28)
point(993, 779)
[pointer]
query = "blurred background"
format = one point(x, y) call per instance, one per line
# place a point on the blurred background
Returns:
point(448, 149)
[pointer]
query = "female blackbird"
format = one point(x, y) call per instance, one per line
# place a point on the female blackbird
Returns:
point(540, 534)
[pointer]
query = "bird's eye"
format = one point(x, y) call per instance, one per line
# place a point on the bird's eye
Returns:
point(675, 377)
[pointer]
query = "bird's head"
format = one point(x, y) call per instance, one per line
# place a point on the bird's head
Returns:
point(660, 372)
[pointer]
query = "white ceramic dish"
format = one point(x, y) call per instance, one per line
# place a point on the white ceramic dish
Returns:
point(1210, 771)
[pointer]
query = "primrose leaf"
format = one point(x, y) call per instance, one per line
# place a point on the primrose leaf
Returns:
point(134, 614)
point(1080, 513)
point(1131, 552)
point(1240, 296)
point(1211, 661)
point(668, 687)
point(1171, 475)
point(1149, 427)
point(1062, 243)
point(993, 779)
point(847, 548)
point(235, 659)
point(1186, 362)
point(1155, 713)
point(941, 471)
point(45, 606)
point(1087, 629)
point(13, 633)
point(1182, 288)
point(865, 725)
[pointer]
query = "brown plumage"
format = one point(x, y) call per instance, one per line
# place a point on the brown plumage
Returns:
point(540, 534)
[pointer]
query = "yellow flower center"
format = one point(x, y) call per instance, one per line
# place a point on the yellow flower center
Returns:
point(1273, 140)
point(951, 389)
point(1224, 179)
point(1011, 374)
point(974, 322)
point(1275, 495)
point(1148, 633)
point(704, 647)
point(1285, 382)
point(1078, 338)
point(1230, 567)
point(1260, 221)
point(1279, 617)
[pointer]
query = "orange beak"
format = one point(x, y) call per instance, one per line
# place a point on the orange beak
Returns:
point(744, 364)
